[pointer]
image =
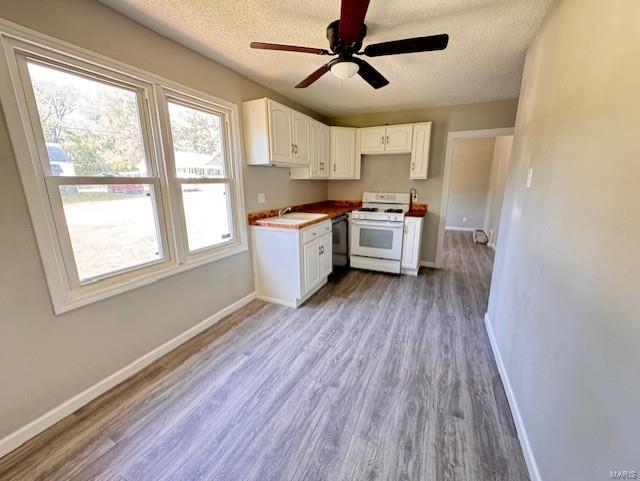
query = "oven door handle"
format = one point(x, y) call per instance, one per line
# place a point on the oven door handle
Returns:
point(378, 223)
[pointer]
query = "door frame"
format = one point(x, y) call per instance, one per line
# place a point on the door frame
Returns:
point(451, 138)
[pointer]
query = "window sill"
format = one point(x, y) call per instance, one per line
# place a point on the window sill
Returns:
point(135, 279)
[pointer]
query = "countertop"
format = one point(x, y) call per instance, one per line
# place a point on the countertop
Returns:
point(333, 208)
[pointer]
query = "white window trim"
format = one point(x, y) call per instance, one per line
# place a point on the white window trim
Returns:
point(14, 39)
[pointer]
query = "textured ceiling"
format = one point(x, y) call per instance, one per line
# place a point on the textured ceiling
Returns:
point(483, 61)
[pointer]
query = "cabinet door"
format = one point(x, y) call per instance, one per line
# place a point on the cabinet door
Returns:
point(311, 263)
point(300, 138)
point(315, 149)
point(325, 151)
point(420, 151)
point(343, 153)
point(372, 140)
point(280, 133)
point(398, 138)
point(411, 244)
point(326, 255)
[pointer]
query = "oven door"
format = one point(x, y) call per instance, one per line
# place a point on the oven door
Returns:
point(377, 239)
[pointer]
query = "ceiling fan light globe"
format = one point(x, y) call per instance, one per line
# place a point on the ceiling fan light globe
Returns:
point(345, 70)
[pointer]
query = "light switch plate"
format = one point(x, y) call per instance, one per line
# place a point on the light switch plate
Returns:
point(262, 198)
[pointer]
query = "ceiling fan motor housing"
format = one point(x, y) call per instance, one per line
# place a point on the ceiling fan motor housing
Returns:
point(340, 47)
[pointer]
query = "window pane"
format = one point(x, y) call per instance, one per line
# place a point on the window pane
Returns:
point(112, 227)
point(206, 214)
point(90, 127)
point(197, 142)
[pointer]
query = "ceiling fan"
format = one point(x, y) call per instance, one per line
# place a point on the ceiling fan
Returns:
point(345, 40)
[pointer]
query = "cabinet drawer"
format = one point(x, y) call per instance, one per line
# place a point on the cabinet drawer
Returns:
point(315, 231)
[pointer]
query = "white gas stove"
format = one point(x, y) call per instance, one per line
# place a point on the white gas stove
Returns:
point(376, 231)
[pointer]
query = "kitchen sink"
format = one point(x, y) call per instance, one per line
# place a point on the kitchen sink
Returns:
point(293, 218)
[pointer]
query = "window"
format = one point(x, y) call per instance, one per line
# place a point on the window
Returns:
point(129, 178)
point(98, 168)
point(199, 158)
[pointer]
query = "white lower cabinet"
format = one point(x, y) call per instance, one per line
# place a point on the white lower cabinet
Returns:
point(316, 257)
point(411, 242)
point(291, 264)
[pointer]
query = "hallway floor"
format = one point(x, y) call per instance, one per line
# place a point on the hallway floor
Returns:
point(376, 377)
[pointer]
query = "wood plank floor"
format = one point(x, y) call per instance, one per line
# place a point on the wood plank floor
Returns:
point(377, 377)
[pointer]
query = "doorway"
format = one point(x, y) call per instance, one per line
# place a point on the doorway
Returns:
point(476, 165)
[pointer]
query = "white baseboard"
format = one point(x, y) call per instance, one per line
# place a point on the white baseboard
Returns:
point(275, 300)
point(463, 229)
point(430, 264)
point(410, 272)
point(529, 458)
point(35, 427)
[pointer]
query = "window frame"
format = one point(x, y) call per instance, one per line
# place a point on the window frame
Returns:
point(165, 96)
point(45, 205)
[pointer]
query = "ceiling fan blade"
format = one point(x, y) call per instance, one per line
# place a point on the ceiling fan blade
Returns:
point(288, 48)
point(370, 74)
point(352, 13)
point(408, 45)
point(314, 76)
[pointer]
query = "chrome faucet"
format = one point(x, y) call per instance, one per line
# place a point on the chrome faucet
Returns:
point(283, 211)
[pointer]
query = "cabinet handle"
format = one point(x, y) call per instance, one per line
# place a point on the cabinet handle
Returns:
point(387, 139)
point(322, 166)
point(293, 148)
point(382, 140)
point(413, 165)
point(334, 167)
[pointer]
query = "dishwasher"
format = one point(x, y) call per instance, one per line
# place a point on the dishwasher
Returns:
point(340, 234)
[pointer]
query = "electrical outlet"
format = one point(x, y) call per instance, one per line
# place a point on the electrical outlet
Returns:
point(262, 198)
point(465, 219)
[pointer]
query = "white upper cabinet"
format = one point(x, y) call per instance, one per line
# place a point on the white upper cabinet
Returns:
point(280, 133)
point(319, 164)
point(420, 151)
point(372, 140)
point(275, 134)
point(279, 136)
point(300, 138)
point(325, 151)
point(345, 153)
point(386, 139)
point(398, 138)
point(319, 151)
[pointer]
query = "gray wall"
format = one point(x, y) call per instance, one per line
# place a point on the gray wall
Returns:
point(44, 359)
point(564, 301)
point(486, 115)
point(497, 185)
point(471, 162)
